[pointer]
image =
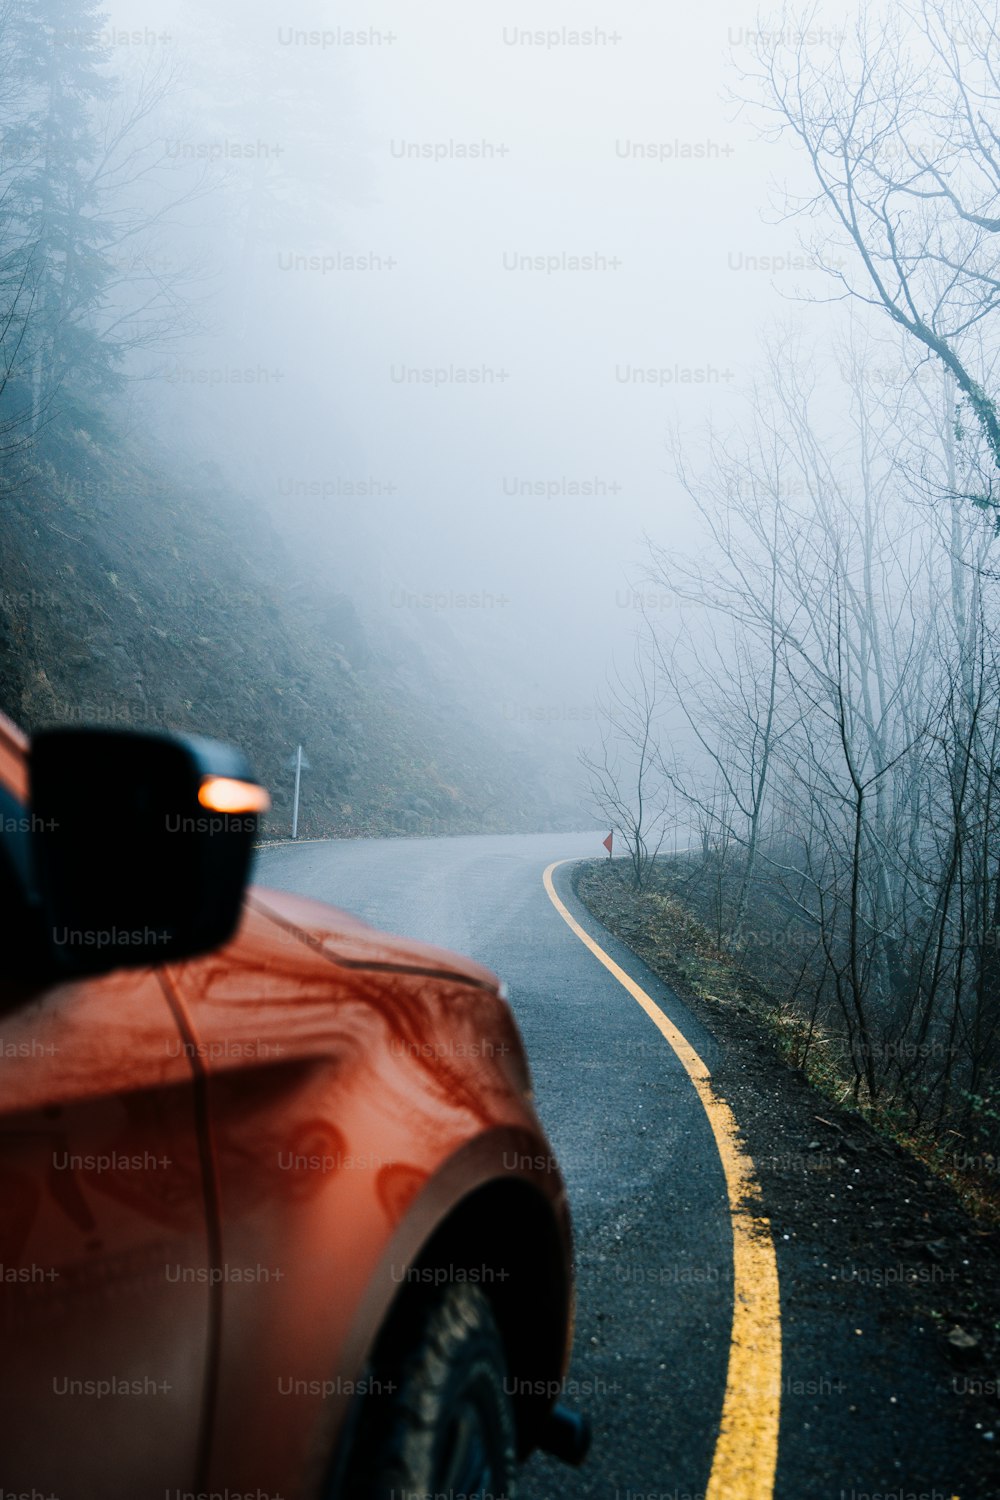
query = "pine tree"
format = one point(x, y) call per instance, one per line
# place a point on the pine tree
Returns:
point(55, 266)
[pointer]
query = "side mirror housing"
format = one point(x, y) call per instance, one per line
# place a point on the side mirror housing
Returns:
point(141, 845)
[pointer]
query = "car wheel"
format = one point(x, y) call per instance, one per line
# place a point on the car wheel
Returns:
point(438, 1418)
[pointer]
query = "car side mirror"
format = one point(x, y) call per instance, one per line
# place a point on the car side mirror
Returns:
point(141, 845)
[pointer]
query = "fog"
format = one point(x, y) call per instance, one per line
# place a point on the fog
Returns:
point(554, 425)
point(512, 421)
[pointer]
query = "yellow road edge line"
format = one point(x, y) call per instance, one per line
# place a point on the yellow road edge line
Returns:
point(746, 1452)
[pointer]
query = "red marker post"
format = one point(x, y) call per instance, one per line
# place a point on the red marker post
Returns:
point(608, 842)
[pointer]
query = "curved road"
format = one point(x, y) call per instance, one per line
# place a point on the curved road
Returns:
point(648, 1191)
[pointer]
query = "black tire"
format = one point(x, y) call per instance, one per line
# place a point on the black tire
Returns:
point(438, 1420)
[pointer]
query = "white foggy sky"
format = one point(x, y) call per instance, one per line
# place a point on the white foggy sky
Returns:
point(562, 563)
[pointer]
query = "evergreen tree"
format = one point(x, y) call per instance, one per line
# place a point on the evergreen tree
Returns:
point(57, 266)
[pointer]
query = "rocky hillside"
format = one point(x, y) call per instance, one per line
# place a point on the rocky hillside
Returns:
point(137, 591)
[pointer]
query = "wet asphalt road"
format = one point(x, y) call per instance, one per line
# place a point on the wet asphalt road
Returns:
point(654, 1244)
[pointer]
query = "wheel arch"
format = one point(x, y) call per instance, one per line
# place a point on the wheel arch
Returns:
point(505, 1237)
point(513, 1227)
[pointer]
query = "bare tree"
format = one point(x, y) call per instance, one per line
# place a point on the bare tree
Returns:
point(901, 128)
point(625, 782)
point(834, 678)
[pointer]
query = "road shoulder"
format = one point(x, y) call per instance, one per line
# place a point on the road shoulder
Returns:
point(890, 1290)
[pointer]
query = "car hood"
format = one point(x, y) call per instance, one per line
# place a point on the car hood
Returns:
point(349, 941)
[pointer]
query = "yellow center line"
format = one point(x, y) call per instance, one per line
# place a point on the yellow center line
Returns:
point(746, 1452)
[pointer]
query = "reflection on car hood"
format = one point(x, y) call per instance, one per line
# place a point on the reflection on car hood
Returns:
point(348, 940)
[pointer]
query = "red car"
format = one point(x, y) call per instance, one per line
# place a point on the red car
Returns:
point(279, 1217)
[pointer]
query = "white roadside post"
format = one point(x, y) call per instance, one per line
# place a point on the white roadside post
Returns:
point(295, 803)
point(299, 763)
